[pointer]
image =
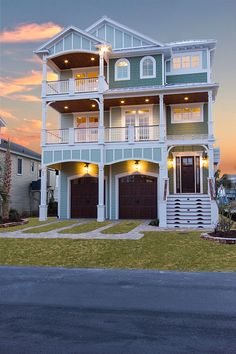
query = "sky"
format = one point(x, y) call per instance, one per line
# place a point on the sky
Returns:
point(26, 24)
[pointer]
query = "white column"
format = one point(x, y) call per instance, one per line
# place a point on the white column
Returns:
point(43, 201)
point(44, 115)
point(211, 161)
point(163, 177)
point(211, 172)
point(101, 206)
point(162, 119)
point(44, 76)
point(101, 121)
point(210, 117)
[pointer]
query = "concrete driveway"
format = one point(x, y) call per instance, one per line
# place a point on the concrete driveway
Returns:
point(53, 310)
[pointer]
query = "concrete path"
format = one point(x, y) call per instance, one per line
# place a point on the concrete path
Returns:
point(75, 311)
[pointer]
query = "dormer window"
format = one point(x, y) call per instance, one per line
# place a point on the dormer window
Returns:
point(186, 62)
point(122, 70)
point(147, 67)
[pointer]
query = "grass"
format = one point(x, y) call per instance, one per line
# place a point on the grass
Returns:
point(51, 227)
point(182, 251)
point(90, 226)
point(32, 222)
point(122, 227)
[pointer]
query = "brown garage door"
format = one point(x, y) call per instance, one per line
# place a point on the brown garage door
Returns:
point(138, 197)
point(84, 197)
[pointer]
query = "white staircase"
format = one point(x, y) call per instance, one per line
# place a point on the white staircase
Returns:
point(189, 210)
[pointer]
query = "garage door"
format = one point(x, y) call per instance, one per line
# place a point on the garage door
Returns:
point(138, 197)
point(84, 197)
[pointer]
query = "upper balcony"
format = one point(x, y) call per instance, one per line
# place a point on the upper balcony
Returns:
point(72, 86)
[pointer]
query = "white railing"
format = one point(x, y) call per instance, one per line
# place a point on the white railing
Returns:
point(71, 86)
point(57, 136)
point(57, 87)
point(86, 135)
point(128, 134)
point(86, 85)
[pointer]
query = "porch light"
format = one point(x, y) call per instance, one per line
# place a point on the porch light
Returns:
point(204, 159)
point(122, 101)
point(86, 168)
point(92, 58)
point(186, 98)
point(171, 162)
point(137, 165)
point(93, 105)
point(147, 100)
point(66, 107)
point(66, 61)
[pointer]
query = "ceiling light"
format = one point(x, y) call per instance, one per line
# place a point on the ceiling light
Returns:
point(92, 58)
point(186, 98)
point(66, 107)
point(147, 100)
point(93, 105)
point(122, 101)
point(66, 61)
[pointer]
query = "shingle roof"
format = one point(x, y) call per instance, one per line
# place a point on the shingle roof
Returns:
point(19, 149)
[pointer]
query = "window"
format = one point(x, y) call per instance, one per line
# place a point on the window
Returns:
point(147, 67)
point(187, 114)
point(88, 125)
point(32, 166)
point(19, 166)
point(191, 61)
point(122, 70)
point(140, 119)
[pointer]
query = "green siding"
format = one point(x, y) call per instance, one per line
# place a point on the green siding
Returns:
point(66, 74)
point(186, 78)
point(116, 120)
point(67, 121)
point(135, 80)
point(187, 128)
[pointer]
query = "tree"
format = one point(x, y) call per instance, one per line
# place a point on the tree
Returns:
point(6, 185)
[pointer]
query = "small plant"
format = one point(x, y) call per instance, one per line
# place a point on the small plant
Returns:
point(14, 216)
point(154, 222)
point(225, 220)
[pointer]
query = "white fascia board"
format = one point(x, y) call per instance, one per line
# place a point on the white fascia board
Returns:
point(197, 44)
point(124, 28)
point(147, 50)
point(60, 34)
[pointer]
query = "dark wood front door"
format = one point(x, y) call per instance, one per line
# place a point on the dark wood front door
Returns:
point(84, 197)
point(187, 174)
point(137, 197)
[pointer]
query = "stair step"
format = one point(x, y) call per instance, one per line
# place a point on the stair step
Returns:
point(189, 217)
point(207, 226)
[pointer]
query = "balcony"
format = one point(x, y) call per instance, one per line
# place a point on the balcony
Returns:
point(74, 136)
point(72, 86)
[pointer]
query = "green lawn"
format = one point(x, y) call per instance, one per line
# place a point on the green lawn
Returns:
point(122, 227)
point(90, 226)
point(32, 222)
point(183, 251)
point(51, 227)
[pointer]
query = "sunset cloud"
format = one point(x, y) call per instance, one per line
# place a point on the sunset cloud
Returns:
point(6, 115)
point(26, 98)
point(32, 32)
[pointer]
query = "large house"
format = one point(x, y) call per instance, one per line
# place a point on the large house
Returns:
point(135, 130)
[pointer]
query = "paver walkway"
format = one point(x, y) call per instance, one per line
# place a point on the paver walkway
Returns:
point(135, 234)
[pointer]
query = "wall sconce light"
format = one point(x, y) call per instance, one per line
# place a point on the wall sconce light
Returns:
point(86, 168)
point(171, 162)
point(204, 158)
point(137, 166)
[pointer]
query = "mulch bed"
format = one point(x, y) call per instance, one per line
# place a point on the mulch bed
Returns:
point(220, 237)
point(14, 223)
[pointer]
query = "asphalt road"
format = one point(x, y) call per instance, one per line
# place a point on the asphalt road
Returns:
point(46, 310)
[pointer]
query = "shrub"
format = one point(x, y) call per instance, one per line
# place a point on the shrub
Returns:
point(52, 208)
point(225, 220)
point(14, 216)
point(154, 222)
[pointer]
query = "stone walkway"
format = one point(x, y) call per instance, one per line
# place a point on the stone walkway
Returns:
point(135, 234)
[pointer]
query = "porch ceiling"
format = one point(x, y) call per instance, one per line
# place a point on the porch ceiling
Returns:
point(76, 60)
point(186, 98)
point(129, 101)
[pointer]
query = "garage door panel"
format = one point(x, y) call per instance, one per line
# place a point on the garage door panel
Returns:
point(84, 197)
point(137, 197)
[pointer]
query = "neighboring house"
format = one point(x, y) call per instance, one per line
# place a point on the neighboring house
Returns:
point(2, 124)
point(25, 169)
point(230, 186)
point(135, 136)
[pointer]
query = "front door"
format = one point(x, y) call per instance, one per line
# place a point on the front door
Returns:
point(187, 174)
point(84, 197)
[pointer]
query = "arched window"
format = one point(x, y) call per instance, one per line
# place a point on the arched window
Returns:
point(147, 68)
point(122, 70)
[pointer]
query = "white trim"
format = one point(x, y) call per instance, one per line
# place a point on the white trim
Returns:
point(110, 188)
point(190, 154)
point(120, 175)
point(141, 67)
point(128, 71)
point(69, 179)
point(86, 115)
point(136, 108)
point(190, 70)
point(59, 195)
point(20, 174)
point(189, 105)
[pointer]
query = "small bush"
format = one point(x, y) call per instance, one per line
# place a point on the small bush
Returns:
point(52, 208)
point(14, 216)
point(154, 222)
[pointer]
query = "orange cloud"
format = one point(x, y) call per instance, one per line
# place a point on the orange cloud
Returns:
point(32, 32)
point(6, 114)
point(26, 98)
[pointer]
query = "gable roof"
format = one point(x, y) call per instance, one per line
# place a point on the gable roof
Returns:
point(19, 149)
point(96, 29)
point(64, 33)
